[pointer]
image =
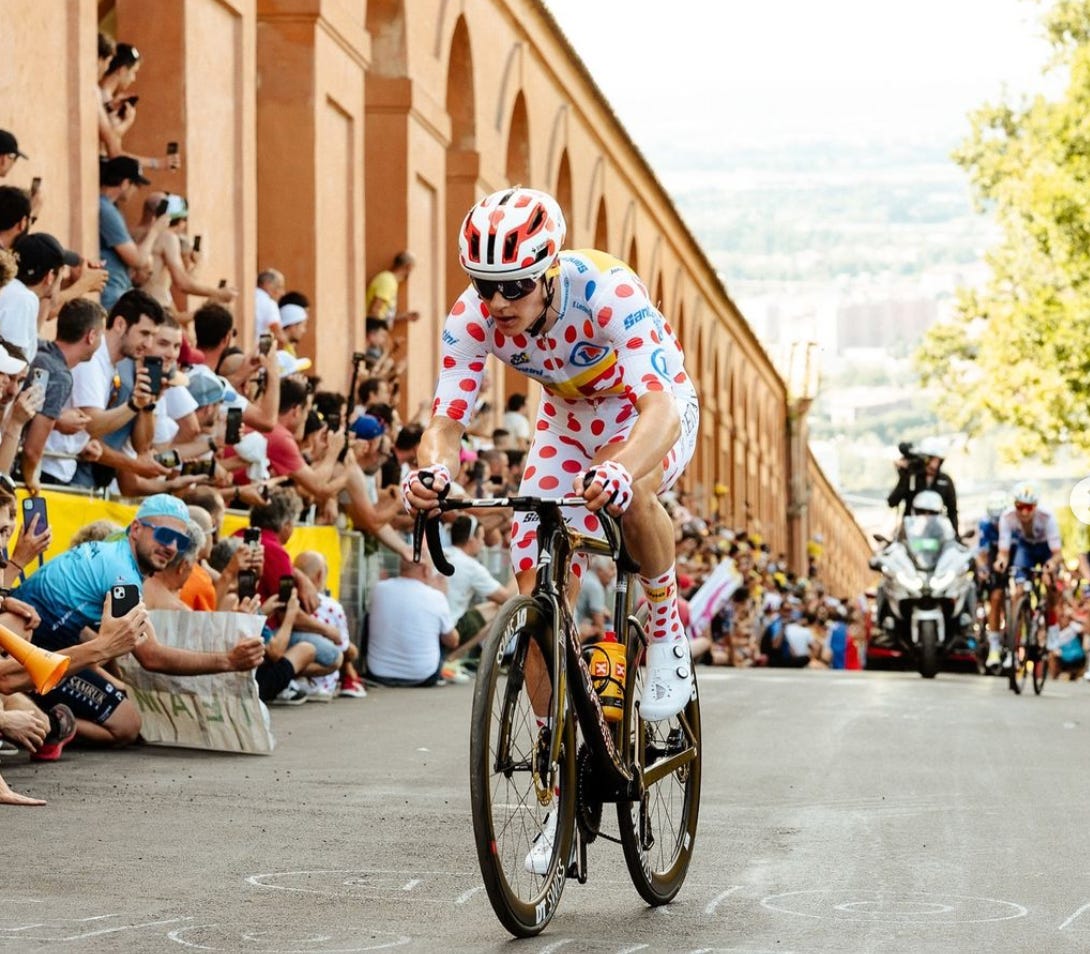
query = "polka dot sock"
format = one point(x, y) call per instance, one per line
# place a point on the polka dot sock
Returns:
point(664, 623)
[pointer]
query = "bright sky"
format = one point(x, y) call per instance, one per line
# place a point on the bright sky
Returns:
point(789, 69)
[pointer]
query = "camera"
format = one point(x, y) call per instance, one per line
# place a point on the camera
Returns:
point(916, 463)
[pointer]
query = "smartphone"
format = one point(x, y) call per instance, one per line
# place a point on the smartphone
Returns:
point(252, 536)
point(333, 422)
point(154, 366)
point(265, 342)
point(199, 468)
point(35, 505)
point(39, 377)
point(197, 245)
point(35, 185)
point(172, 148)
point(233, 433)
point(169, 458)
point(247, 584)
point(161, 208)
point(125, 597)
point(287, 584)
point(132, 100)
point(223, 283)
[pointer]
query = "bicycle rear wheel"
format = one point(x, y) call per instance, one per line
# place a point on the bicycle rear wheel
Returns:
point(1039, 652)
point(658, 831)
point(504, 755)
point(1020, 637)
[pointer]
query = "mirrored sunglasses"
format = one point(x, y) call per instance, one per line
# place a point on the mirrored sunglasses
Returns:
point(1025, 507)
point(166, 537)
point(509, 291)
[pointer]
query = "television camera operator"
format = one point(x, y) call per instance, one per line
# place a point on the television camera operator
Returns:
point(920, 468)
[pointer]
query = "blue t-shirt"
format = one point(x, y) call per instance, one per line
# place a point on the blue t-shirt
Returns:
point(112, 232)
point(838, 644)
point(126, 378)
point(69, 590)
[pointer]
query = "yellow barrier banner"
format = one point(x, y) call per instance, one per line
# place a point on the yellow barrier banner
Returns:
point(69, 513)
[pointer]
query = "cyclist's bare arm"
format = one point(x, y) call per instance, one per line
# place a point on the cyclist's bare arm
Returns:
point(439, 444)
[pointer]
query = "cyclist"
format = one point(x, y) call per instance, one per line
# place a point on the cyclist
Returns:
point(993, 583)
point(1037, 535)
point(618, 408)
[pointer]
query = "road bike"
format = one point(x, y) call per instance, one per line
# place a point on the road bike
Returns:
point(544, 758)
point(1029, 634)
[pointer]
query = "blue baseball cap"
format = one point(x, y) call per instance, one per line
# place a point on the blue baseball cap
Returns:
point(163, 505)
point(367, 427)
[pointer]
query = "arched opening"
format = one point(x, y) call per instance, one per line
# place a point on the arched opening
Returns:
point(601, 227)
point(563, 195)
point(462, 159)
point(386, 25)
point(518, 144)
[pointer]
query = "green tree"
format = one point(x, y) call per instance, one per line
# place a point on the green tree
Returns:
point(1017, 351)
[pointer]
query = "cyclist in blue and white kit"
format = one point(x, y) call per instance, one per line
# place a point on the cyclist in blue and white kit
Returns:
point(1037, 535)
point(994, 583)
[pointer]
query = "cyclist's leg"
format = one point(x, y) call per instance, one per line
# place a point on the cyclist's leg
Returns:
point(557, 455)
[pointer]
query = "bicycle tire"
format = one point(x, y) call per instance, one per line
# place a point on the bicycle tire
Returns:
point(507, 816)
point(1040, 653)
point(658, 866)
point(1020, 633)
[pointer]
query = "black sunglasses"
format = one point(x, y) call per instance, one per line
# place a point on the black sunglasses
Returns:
point(509, 291)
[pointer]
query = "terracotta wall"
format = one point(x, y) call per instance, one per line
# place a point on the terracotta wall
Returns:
point(322, 137)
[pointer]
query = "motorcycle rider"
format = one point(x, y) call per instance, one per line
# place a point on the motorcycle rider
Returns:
point(921, 470)
point(927, 503)
point(993, 583)
point(1037, 535)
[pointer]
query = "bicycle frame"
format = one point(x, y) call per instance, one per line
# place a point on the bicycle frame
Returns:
point(557, 543)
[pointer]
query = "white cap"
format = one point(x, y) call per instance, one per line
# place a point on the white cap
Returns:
point(289, 364)
point(9, 364)
point(292, 314)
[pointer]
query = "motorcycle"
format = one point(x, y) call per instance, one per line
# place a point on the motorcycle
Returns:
point(927, 595)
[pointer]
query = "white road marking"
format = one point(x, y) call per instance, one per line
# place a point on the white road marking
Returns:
point(710, 907)
point(1074, 916)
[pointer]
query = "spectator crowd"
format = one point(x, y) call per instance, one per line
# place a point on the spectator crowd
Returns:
point(111, 382)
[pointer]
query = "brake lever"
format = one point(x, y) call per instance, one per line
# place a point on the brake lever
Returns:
point(428, 530)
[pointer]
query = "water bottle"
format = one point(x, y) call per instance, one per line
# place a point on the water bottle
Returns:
point(606, 662)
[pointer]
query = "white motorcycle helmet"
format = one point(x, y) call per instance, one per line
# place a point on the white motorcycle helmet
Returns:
point(927, 502)
point(998, 503)
point(931, 447)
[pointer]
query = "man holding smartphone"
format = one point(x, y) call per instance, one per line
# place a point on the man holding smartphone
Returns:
point(74, 593)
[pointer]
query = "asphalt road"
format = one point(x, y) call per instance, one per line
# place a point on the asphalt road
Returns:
point(841, 812)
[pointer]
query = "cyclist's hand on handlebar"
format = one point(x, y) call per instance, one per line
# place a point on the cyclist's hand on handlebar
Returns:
point(418, 495)
point(608, 485)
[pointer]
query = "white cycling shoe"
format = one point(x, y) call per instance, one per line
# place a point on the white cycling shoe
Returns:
point(541, 852)
point(667, 681)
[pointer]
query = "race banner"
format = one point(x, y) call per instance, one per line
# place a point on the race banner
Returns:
point(713, 593)
point(220, 711)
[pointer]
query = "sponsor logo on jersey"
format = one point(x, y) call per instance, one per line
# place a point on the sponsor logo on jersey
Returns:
point(635, 318)
point(658, 362)
point(448, 338)
point(584, 354)
point(519, 359)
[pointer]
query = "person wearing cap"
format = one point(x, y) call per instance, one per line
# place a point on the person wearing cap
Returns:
point(80, 325)
point(9, 152)
point(73, 592)
point(119, 178)
point(294, 317)
point(369, 508)
point(167, 272)
point(41, 263)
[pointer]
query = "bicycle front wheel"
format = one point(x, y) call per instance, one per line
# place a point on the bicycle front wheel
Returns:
point(658, 831)
point(1039, 653)
point(1021, 634)
point(523, 844)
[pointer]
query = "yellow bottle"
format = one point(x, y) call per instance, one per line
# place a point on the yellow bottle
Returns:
point(606, 661)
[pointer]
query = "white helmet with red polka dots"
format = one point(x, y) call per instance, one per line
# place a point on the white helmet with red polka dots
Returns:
point(511, 234)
